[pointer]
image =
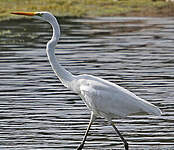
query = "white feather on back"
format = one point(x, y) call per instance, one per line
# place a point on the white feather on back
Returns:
point(110, 100)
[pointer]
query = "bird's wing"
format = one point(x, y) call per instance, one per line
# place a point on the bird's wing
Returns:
point(112, 100)
point(105, 102)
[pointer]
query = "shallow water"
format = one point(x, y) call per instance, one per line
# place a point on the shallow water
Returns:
point(37, 112)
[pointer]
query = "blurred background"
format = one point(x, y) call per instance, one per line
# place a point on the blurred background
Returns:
point(90, 8)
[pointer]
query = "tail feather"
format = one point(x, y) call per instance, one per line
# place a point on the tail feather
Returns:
point(150, 108)
point(155, 111)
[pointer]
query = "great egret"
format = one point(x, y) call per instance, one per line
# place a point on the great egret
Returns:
point(103, 98)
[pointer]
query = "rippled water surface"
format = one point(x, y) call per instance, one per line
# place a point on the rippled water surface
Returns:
point(37, 112)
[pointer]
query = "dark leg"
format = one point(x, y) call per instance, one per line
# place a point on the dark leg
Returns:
point(86, 134)
point(122, 138)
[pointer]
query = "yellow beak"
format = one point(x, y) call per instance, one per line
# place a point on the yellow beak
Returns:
point(25, 13)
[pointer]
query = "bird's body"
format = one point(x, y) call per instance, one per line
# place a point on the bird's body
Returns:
point(109, 100)
point(103, 98)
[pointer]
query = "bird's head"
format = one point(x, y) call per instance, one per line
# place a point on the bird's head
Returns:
point(46, 16)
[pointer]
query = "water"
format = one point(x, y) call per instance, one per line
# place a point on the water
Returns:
point(37, 112)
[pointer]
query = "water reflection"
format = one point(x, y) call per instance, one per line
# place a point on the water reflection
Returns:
point(37, 112)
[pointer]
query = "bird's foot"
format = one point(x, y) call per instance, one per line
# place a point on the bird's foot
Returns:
point(80, 146)
point(126, 145)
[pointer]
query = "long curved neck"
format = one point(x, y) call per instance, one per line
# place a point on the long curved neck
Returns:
point(64, 76)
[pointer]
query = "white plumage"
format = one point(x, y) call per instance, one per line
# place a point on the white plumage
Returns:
point(109, 100)
point(102, 97)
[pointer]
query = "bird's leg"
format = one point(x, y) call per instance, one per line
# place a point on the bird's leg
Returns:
point(122, 138)
point(86, 133)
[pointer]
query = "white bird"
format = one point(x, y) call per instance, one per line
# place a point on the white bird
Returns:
point(103, 98)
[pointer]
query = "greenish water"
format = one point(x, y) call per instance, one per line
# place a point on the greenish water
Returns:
point(37, 112)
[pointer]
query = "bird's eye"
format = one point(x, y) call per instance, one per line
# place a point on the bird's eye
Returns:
point(39, 14)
